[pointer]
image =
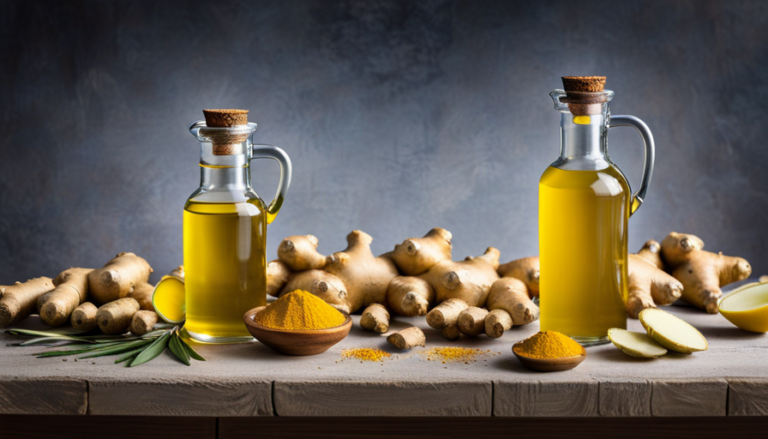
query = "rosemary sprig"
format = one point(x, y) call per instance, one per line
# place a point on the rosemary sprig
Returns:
point(135, 350)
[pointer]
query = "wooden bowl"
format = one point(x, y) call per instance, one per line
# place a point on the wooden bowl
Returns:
point(306, 342)
point(550, 364)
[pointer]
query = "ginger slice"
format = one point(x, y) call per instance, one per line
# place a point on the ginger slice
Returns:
point(672, 332)
point(635, 344)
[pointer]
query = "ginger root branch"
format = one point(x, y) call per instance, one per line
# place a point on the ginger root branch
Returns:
point(19, 300)
point(409, 296)
point(299, 253)
point(701, 273)
point(143, 322)
point(408, 338)
point(118, 277)
point(375, 318)
point(472, 321)
point(115, 317)
point(84, 317)
point(71, 290)
point(446, 313)
point(496, 322)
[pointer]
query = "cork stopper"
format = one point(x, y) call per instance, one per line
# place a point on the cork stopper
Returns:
point(584, 94)
point(590, 84)
point(226, 144)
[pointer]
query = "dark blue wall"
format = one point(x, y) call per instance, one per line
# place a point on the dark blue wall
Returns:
point(399, 116)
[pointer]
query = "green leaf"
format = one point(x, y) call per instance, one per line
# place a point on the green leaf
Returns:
point(178, 350)
point(62, 334)
point(50, 339)
point(89, 348)
point(192, 353)
point(129, 355)
point(46, 335)
point(112, 350)
point(152, 351)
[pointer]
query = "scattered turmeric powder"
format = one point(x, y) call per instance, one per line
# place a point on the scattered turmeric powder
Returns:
point(365, 354)
point(448, 354)
point(548, 344)
point(299, 310)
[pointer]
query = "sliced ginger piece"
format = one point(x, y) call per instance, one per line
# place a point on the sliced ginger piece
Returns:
point(635, 344)
point(747, 307)
point(672, 332)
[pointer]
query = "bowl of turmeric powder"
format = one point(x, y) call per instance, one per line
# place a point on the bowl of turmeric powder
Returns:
point(298, 323)
point(549, 351)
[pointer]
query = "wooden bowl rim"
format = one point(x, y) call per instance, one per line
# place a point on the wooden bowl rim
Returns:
point(249, 319)
point(551, 361)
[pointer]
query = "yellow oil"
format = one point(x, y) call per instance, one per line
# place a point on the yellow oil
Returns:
point(583, 251)
point(225, 263)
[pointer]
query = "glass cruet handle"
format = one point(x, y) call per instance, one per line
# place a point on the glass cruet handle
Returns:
point(648, 158)
point(275, 153)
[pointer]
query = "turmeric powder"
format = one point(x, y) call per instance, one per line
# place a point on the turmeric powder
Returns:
point(365, 354)
point(299, 310)
point(548, 344)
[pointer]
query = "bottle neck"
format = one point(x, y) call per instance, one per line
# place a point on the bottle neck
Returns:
point(224, 178)
point(582, 142)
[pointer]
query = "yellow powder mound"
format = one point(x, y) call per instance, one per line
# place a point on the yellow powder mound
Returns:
point(549, 344)
point(299, 310)
point(452, 354)
point(365, 354)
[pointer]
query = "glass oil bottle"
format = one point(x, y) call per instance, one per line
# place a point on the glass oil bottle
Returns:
point(584, 206)
point(225, 229)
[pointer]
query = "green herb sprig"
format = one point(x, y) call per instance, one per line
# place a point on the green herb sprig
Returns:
point(135, 350)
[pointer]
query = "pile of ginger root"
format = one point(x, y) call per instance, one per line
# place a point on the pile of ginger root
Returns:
point(115, 298)
point(478, 295)
point(419, 275)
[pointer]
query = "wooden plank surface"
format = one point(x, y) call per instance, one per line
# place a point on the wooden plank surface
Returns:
point(689, 398)
point(748, 397)
point(55, 396)
point(382, 399)
point(557, 398)
point(624, 398)
point(181, 398)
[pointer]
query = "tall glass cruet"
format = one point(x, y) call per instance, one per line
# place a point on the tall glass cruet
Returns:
point(584, 206)
point(225, 228)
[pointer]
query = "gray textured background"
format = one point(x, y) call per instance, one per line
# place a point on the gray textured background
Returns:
point(399, 116)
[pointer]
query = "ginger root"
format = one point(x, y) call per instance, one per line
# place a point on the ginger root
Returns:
point(408, 338)
point(496, 322)
point(375, 318)
point(142, 322)
point(19, 300)
point(469, 280)
point(142, 292)
point(323, 285)
point(115, 317)
point(525, 269)
point(472, 321)
point(118, 277)
point(417, 255)
point(277, 276)
point(701, 273)
point(71, 290)
point(649, 286)
point(365, 276)
point(452, 332)
point(299, 253)
point(511, 295)
point(409, 296)
point(446, 313)
point(84, 317)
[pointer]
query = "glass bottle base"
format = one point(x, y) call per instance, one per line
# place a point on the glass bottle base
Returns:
point(592, 341)
point(202, 338)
